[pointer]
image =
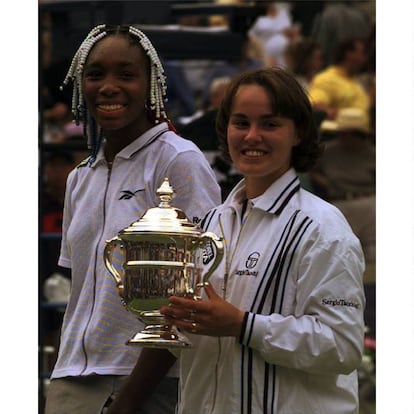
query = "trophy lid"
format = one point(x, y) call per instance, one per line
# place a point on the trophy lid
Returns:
point(164, 219)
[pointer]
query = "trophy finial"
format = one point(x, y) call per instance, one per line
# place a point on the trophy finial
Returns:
point(166, 193)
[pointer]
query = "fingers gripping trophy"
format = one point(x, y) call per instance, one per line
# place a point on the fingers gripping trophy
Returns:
point(163, 257)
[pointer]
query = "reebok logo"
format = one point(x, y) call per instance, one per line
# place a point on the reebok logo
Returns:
point(127, 194)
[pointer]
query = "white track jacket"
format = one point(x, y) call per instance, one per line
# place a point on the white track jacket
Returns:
point(296, 268)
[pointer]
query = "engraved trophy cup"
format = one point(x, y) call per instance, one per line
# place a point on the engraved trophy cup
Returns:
point(162, 257)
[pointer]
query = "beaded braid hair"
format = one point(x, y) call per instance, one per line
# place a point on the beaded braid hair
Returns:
point(158, 86)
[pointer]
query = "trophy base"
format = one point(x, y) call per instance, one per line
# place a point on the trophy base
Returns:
point(160, 336)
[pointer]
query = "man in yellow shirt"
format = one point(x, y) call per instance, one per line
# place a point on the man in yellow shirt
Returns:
point(337, 86)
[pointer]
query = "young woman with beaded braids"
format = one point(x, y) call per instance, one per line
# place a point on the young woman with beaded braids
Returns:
point(119, 91)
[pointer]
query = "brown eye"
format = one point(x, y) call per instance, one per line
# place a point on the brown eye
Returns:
point(93, 74)
point(271, 124)
point(127, 75)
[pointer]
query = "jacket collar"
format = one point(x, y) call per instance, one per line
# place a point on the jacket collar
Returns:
point(274, 199)
point(139, 143)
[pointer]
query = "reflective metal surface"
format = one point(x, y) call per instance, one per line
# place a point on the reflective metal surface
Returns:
point(163, 257)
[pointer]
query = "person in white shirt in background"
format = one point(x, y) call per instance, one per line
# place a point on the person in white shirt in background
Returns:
point(274, 31)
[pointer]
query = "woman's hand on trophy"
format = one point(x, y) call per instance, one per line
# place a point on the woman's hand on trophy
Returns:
point(212, 317)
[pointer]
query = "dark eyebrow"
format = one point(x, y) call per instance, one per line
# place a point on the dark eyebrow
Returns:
point(265, 116)
point(121, 64)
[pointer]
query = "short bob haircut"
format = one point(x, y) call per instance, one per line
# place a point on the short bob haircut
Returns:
point(288, 100)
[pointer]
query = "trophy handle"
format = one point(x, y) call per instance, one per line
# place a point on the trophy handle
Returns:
point(109, 248)
point(219, 245)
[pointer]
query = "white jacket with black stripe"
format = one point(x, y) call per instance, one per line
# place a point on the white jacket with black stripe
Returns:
point(296, 270)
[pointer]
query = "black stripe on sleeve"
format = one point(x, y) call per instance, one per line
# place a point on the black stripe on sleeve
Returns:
point(243, 329)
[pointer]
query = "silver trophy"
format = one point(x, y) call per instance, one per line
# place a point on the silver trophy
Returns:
point(163, 256)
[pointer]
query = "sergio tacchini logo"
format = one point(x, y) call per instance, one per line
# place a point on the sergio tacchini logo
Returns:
point(252, 260)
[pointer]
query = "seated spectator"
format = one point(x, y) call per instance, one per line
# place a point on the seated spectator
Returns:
point(55, 105)
point(337, 21)
point(75, 141)
point(230, 69)
point(304, 59)
point(273, 31)
point(201, 129)
point(345, 176)
point(338, 87)
point(56, 168)
point(221, 20)
point(181, 100)
point(216, 92)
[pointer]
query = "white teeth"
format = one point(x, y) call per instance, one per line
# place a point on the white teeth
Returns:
point(254, 153)
point(112, 107)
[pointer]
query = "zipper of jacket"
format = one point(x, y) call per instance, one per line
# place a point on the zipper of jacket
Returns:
point(108, 177)
point(228, 259)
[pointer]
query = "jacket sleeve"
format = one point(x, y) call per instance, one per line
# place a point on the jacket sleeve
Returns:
point(325, 331)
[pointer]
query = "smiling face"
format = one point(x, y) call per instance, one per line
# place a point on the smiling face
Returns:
point(115, 86)
point(260, 142)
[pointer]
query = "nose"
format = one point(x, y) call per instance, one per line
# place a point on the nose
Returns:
point(109, 87)
point(253, 134)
